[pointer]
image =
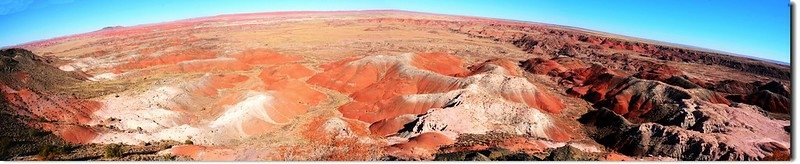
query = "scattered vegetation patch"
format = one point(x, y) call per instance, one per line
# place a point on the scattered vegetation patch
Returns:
point(169, 157)
point(5, 144)
point(33, 132)
point(113, 151)
point(49, 152)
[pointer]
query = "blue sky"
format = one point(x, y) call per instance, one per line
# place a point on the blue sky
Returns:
point(757, 28)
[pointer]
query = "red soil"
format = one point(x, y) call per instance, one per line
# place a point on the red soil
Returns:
point(285, 107)
point(168, 59)
point(54, 108)
point(227, 100)
point(511, 67)
point(383, 99)
point(617, 157)
point(441, 63)
point(527, 145)
point(317, 130)
point(591, 72)
point(198, 66)
point(274, 73)
point(660, 72)
point(198, 60)
point(346, 78)
point(536, 99)
point(204, 153)
point(75, 134)
point(285, 80)
point(372, 94)
point(208, 65)
point(255, 126)
point(264, 56)
point(390, 126)
point(347, 139)
point(543, 66)
point(560, 132)
point(420, 147)
point(222, 81)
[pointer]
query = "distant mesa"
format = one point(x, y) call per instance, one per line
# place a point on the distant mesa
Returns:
point(112, 27)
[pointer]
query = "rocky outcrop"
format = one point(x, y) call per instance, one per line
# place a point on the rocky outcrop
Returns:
point(771, 97)
point(542, 66)
point(775, 87)
point(703, 131)
point(17, 138)
point(476, 112)
point(639, 117)
point(681, 82)
point(659, 72)
point(734, 87)
point(23, 69)
point(37, 93)
point(641, 100)
point(769, 101)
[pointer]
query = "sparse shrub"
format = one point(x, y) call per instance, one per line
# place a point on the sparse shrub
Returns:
point(44, 151)
point(168, 157)
point(188, 142)
point(48, 152)
point(32, 132)
point(62, 149)
point(165, 146)
point(42, 119)
point(5, 144)
point(113, 150)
